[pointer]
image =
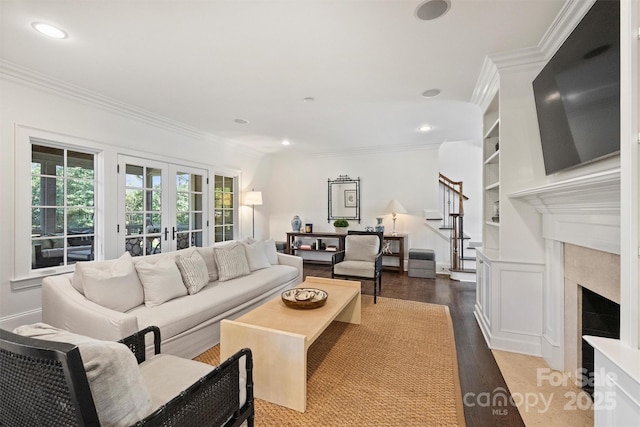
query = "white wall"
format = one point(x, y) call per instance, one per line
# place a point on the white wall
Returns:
point(298, 186)
point(117, 130)
point(462, 161)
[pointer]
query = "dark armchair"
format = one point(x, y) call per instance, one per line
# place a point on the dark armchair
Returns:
point(361, 259)
point(46, 383)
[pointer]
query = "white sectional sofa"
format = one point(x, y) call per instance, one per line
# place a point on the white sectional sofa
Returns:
point(175, 291)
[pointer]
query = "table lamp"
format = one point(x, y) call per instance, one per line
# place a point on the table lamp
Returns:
point(394, 207)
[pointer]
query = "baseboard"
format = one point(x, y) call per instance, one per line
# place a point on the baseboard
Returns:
point(552, 354)
point(9, 323)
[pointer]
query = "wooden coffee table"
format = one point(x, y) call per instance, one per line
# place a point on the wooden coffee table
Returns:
point(279, 337)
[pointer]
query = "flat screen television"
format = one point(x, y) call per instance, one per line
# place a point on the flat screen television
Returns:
point(577, 93)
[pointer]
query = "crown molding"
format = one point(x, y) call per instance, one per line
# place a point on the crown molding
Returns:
point(486, 85)
point(531, 57)
point(30, 78)
point(567, 19)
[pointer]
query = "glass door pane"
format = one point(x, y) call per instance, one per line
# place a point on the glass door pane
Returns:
point(144, 207)
point(189, 205)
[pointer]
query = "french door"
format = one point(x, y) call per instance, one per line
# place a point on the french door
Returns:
point(162, 206)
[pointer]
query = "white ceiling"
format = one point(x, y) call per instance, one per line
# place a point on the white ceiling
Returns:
point(207, 63)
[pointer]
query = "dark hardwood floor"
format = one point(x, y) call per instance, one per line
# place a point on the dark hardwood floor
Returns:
point(480, 377)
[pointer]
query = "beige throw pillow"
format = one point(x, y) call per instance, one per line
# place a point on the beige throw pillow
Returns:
point(206, 252)
point(161, 281)
point(232, 261)
point(256, 256)
point(113, 284)
point(119, 393)
point(271, 251)
point(193, 269)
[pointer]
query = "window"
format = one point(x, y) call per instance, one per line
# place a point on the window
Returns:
point(224, 208)
point(63, 183)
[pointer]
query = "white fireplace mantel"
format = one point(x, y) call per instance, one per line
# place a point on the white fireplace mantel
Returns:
point(584, 211)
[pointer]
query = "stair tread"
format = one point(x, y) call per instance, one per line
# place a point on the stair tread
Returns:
point(463, 270)
point(468, 258)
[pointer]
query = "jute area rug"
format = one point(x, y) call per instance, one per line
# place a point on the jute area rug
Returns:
point(398, 368)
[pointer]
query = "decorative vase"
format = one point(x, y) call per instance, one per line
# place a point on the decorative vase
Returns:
point(379, 226)
point(341, 230)
point(296, 223)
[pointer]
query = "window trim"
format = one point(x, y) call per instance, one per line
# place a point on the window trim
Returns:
point(24, 139)
point(236, 201)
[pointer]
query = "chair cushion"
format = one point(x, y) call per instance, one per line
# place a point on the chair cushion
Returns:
point(111, 284)
point(361, 247)
point(232, 261)
point(161, 281)
point(119, 393)
point(193, 269)
point(166, 376)
point(356, 268)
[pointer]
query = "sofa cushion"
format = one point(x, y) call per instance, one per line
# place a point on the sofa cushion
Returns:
point(161, 281)
point(271, 251)
point(119, 393)
point(361, 247)
point(181, 314)
point(256, 256)
point(209, 258)
point(193, 269)
point(232, 261)
point(113, 284)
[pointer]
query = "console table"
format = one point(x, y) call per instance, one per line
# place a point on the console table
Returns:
point(328, 238)
point(338, 241)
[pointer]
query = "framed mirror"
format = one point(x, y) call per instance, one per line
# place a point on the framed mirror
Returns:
point(343, 198)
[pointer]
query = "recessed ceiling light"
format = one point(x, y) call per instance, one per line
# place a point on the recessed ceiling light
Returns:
point(49, 30)
point(241, 121)
point(424, 128)
point(286, 142)
point(432, 9)
point(309, 99)
point(431, 93)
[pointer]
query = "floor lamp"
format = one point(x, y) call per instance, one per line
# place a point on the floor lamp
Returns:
point(253, 198)
point(394, 207)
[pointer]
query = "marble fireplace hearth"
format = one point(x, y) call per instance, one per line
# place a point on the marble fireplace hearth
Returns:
point(595, 270)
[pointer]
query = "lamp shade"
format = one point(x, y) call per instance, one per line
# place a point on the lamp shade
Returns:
point(394, 207)
point(253, 198)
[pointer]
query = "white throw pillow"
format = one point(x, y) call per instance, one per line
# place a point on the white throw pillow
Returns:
point(111, 284)
point(232, 261)
point(193, 269)
point(256, 256)
point(206, 252)
point(161, 281)
point(271, 251)
point(119, 393)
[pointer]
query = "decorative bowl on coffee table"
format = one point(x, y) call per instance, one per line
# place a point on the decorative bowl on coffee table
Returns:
point(304, 298)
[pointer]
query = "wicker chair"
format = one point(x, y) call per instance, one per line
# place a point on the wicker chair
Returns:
point(361, 259)
point(44, 383)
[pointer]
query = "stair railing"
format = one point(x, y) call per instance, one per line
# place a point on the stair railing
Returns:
point(453, 213)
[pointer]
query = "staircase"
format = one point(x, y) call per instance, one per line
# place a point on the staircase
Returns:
point(462, 250)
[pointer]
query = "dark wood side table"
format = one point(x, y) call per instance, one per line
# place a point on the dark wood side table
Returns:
point(400, 238)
